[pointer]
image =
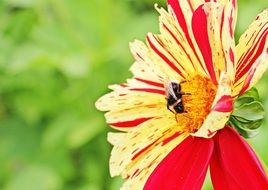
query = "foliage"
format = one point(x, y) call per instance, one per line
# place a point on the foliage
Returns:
point(248, 113)
point(57, 58)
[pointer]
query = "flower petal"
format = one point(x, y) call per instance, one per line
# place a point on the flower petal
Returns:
point(184, 167)
point(130, 97)
point(221, 180)
point(153, 62)
point(251, 54)
point(224, 104)
point(144, 161)
point(159, 49)
point(184, 9)
point(134, 103)
point(211, 29)
point(234, 165)
point(131, 146)
point(182, 12)
point(220, 111)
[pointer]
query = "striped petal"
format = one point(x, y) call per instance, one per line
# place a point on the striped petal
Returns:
point(234, 165)
point(211, 29)
point(174, 53)
point(182, 12)
point(153, 62)
point(208, 30)
point(176, 43)
point(131, 146)
point(134, 103)
point(157, 61)
point(145, 161)
point(251, 54)
point(184, 167)
point(159, 51)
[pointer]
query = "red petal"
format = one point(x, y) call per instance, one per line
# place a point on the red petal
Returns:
point(184, 167)
point(200, 31)
point(224, 104)
point(234, 165)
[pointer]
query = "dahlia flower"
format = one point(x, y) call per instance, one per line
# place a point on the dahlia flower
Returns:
point(163, 147)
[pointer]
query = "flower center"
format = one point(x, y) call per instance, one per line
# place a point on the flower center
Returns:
point(198, 104)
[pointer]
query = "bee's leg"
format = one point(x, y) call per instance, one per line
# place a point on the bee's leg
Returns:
point(184, 93)
point(176, 117)
point(187, 94)
point(170, 109)
point(184, 81)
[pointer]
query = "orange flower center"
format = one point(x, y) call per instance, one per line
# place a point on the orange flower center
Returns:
point(198, 104)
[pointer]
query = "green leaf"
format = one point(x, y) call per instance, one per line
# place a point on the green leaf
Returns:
point(243, 100)
point(241, 119)
point(251, 93)
point(247, 133)
point(242, 128)
point(250, 111)
point(249, 124)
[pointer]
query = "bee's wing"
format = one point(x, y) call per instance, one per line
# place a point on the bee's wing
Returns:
point(169, 90)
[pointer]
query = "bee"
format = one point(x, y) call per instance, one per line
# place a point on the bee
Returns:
point(174, 97)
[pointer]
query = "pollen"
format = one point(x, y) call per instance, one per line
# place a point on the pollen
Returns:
point(197, 104)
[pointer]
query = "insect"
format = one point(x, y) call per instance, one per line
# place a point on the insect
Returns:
point(174, 97)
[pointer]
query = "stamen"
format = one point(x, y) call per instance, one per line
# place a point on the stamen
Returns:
point(197, 104)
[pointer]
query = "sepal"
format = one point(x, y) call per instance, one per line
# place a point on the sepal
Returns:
point(248, 114)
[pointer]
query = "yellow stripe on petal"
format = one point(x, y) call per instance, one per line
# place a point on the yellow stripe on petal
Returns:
point(160, 55)
point(126, 99)
point(139, 173)
point(256, 71)
point(145, 67)
point(144, 83)
point(182, 12)
point(196, 3)
point(250, 52)
point(227, 37)
point(175, 42)
point(133, 145)
point(129, 107)
point(213, 33)
point(133, 113)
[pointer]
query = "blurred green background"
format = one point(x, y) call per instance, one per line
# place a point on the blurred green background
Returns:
point(56, 58)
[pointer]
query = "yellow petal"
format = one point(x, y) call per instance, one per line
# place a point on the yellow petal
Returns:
point(128, 106)
point(145, 66)
point(175, 43)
